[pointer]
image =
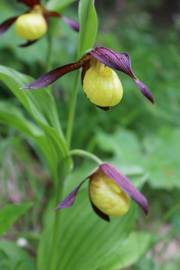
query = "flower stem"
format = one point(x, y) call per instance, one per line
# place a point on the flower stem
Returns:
point(82, 153)
point(72, 110)
point(59, 186)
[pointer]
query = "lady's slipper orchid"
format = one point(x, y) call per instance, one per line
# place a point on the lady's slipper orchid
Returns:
point(33, 24)
point(109, 193)
point(100, 82)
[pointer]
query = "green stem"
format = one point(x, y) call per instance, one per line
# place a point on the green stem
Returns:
point(59, 186)
point(82, 153)
point(72, 109)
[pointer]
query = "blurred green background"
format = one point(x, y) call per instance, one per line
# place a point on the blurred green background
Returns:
point(141, 139)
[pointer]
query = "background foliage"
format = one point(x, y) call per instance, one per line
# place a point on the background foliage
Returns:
point(141, 139)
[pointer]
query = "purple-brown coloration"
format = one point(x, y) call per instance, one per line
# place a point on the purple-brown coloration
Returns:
point(114, 60)
point(144, 89)
point(7, 24)
point(52, 14)
point(70, 199)
point(71, 23)
point(53, 75)
point(125, 184)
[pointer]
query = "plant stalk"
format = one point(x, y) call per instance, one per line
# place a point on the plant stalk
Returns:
point(72, 110)
point(82, 153)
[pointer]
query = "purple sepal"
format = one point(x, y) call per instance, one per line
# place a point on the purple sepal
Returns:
point(52, 76)
point(99, 212)
point(122, 62)
point(30, 3)
point(144, 90)
point(126, 185)
point(70, 199)
point(115, 60)
point(72, 24)
point(28, 43)
point(6, 24)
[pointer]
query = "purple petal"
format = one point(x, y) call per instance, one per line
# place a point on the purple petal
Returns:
point(119, 61)
point(6, 24)
point(30, 3)
point(73, 24)
point(53, 75)
point(122, 62)
point(28, 43)
point(144, 90)
point(70, 199)
point(126, 185)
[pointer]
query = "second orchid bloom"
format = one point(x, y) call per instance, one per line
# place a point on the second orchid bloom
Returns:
point(100, 82)
point(109, 193)
point(33, 24)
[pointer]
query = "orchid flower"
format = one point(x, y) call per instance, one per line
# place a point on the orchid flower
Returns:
point(100, 82)
point(109, 193)
point(33, 24)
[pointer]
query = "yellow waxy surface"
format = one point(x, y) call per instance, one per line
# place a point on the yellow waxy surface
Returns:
point(102, 85)
point(107, 195)
point(31, 26)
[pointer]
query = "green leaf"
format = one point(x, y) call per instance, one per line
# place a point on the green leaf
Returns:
point(10, 214)
point(12, 116)
point(162, 161)
point(132, 249)
point(13, 257)
point(122, 144)
point(88, 25)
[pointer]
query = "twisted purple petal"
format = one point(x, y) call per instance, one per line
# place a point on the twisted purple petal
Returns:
point(70, 199)
point(125, 184)
point(6, 24)
point(144, 90)
point(53, 75)
point(72, 24)
point(122, 62)
point(119, 61)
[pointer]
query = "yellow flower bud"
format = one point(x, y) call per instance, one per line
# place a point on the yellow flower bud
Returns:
point(31, 26)
point(102, 85)
point(107, 195)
